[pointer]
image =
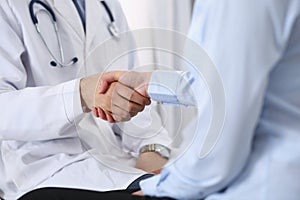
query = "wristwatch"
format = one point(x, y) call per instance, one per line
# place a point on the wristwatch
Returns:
point(157, 148)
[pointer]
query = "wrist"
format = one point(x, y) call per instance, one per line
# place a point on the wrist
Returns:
point(151, 162)
point(87, 88)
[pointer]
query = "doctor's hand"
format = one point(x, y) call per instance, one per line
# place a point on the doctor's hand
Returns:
point(137, 81)
point(111, 104)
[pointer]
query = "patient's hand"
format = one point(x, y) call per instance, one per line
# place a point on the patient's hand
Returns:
point(136, 80)
point(131, 87)
point(138, 193)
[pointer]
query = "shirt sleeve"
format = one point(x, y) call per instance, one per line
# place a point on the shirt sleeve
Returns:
point(245, 40)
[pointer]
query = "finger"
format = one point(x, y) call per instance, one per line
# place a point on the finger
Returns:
point(95, 111)
point(138, 193)
point(120, 115)
point(104, 102)
point(148, 102)
point(107, 78)
point(126, 105)
point(110, 118)
point(101, 114)
point(132, 95)
point(103, 86)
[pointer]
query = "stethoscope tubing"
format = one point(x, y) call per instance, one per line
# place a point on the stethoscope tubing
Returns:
point(113, 30)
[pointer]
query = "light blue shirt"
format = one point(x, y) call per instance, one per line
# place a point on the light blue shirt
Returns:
point(256, 48)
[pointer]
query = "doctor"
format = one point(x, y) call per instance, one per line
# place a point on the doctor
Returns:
point(256, 48)
point(46, 140)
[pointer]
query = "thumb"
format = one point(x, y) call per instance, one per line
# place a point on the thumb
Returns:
point(103, 86)
point(107, 78)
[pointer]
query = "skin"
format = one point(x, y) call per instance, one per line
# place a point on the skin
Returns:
point(152, 163)
point(118, 103)
point(137, 81)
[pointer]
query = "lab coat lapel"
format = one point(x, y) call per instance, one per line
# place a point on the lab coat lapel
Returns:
point(69, 13)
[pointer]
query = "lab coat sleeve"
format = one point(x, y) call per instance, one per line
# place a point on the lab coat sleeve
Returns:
point(245, 39)
point(37, 113)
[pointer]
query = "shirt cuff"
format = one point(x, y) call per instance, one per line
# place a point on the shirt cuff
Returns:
point(163, 185)
point(71, 99)
point(173, 87)
point(163, 85)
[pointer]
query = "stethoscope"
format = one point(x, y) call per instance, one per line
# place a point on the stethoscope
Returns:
point(112, 28)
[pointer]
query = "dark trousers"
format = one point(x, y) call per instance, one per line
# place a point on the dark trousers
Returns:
point(76, 194)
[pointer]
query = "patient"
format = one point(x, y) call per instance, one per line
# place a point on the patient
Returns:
point(255, 46)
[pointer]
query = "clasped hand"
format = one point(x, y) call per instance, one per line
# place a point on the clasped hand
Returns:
point(115, 96)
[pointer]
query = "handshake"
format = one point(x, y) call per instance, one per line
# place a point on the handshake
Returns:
point(115, 96)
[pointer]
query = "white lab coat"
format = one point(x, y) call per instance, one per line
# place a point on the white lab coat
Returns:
point(45, 138)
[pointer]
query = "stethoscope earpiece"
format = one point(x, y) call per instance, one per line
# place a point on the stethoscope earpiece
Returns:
point(75, 60)
point(72, 62)
point(53, 63)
